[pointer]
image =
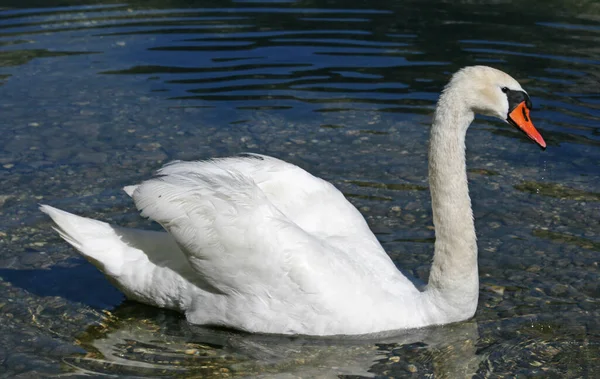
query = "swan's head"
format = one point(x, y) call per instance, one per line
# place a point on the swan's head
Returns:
point(494, 93)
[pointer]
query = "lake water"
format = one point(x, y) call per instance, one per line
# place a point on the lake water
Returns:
point(97, 95)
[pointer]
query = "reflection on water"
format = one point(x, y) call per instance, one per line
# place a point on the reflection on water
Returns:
point(135, 340)
point(99, 94)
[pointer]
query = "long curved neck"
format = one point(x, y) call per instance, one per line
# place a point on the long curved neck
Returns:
point(453, 281)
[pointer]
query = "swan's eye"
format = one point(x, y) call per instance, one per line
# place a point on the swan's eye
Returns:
point(505, 89)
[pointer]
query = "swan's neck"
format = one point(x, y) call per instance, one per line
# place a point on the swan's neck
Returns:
point(453, 282)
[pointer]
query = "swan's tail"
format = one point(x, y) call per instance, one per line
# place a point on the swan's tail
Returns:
point(97, 241)
point(146, 266)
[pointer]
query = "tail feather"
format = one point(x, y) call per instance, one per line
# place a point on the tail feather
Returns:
point(97, 241)
point(146, 266)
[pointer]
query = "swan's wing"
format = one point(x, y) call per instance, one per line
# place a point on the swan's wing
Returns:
point(314, 207)
point(233, 236)
point(312, 203)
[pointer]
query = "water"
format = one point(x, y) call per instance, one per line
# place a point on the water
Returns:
point(98, 95)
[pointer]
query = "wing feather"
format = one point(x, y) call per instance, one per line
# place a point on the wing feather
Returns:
point(311, 202)
point(258, 215)
point(231, 233)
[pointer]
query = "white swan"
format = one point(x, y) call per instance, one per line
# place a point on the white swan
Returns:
point(258, 244)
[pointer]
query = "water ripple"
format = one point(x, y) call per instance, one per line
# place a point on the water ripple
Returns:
point(100, 96)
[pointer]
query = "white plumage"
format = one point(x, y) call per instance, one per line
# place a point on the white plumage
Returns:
point(261, 245)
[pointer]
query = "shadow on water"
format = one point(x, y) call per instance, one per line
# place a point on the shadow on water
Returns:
point(81, 284)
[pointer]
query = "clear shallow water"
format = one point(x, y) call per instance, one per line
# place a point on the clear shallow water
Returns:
point(95, 97)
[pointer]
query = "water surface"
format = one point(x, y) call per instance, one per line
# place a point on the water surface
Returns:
point(98, 95)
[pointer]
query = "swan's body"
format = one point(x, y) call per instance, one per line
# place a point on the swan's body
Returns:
point(258, 244)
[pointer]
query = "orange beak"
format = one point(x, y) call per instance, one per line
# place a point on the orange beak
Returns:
point(519, 117)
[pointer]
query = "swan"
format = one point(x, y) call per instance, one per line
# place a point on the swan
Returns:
point(260, 245)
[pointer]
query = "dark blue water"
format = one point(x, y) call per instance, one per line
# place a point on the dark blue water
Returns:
point(97, 95)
